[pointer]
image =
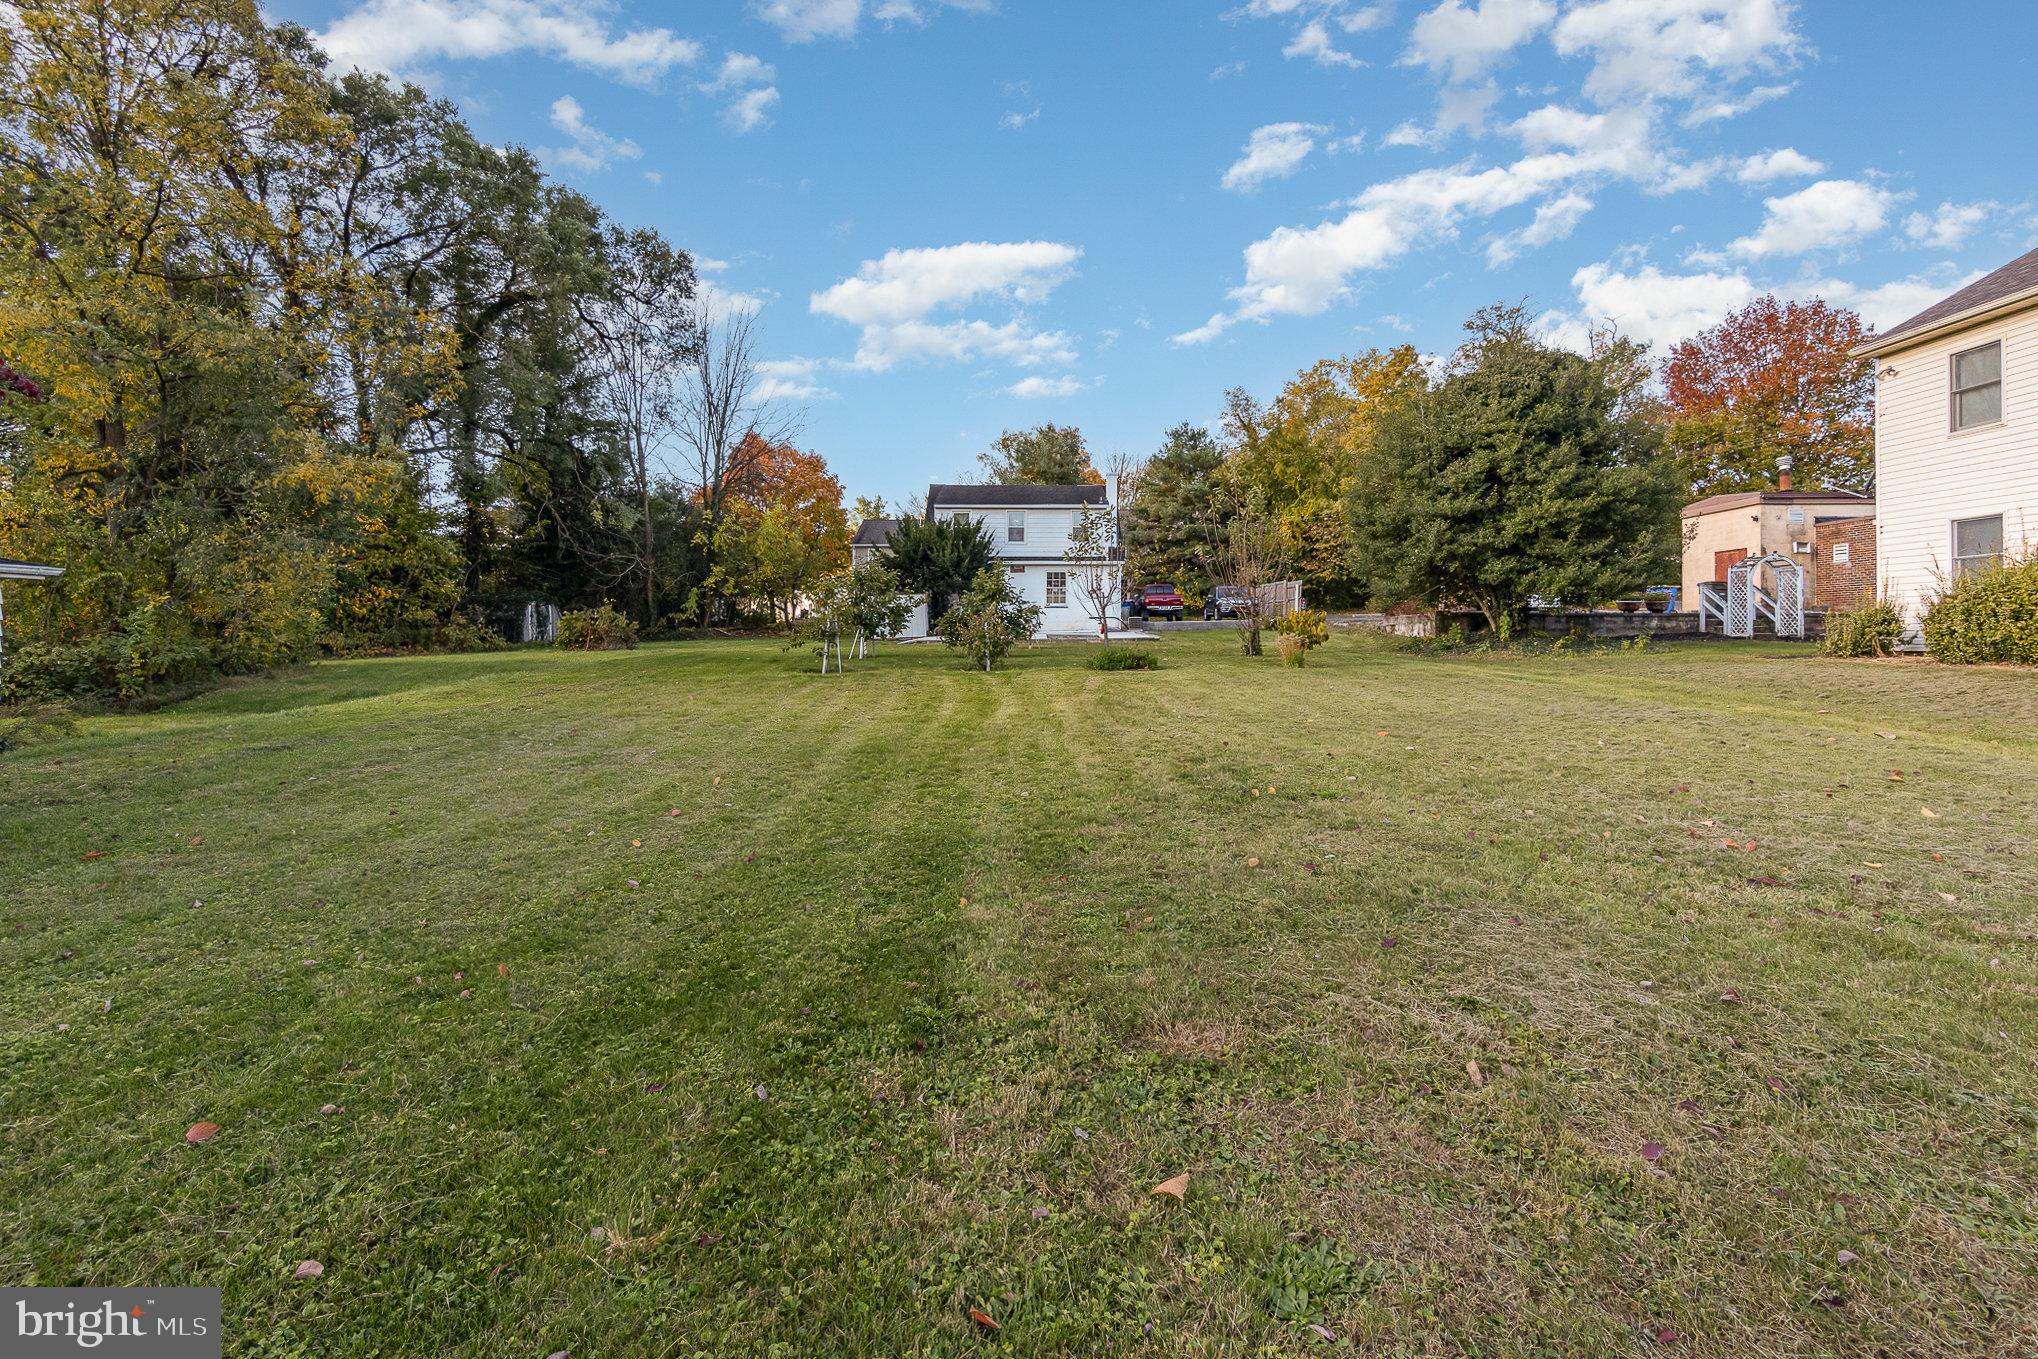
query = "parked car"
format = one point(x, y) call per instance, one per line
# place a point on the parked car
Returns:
point(1161, 601)
point(1225, 601)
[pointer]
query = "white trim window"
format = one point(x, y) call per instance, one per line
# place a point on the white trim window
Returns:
point(1978, 386)
point(1057, 589)
point(960, 517)
point(1976, 543)
point(1015, 526)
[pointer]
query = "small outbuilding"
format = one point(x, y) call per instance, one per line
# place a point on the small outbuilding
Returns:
point(1723, 529)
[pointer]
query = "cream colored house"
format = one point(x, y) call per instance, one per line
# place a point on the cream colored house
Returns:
point(1722, 529)
point(1956, 435)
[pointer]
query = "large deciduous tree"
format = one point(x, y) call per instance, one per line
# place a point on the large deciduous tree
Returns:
point(1773, 380)
point(1300, 456)
point(1046, 455)
point(1520, 474)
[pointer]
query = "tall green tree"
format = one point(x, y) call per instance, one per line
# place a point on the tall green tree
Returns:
point(1046, 455)
point(1176, 513)
point(939, 558)
point(1518, 475)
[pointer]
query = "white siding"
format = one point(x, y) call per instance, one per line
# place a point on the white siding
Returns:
point(1927, 475)
point(1047, 531)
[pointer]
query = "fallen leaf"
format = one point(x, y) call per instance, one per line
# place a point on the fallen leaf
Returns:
point(1042, 1211)
point(1928, 813)
point(197, 839)
point(201, 1132)
point(1665, 1336)
point(328, 1109)
point(718, 780)
point(1177, 1188)
point(308, 1269)
point(1846, 1257)
point(1865, 863)
point(980, 1319)
point(1731, 996)
point(1478, 1076)
point(95, 853)
point(1324, 1332)
point(636, 844)
point(1652, 1152)
point(964, 901)
point(708, 1239)
point(1271, 790)
point(1252, 863)
point(673, 812)
point(1776, 1085)
point(502, 969)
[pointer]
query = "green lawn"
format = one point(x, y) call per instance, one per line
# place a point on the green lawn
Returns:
point(682, 1002)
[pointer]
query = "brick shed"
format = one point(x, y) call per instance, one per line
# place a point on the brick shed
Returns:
point(1843, 562)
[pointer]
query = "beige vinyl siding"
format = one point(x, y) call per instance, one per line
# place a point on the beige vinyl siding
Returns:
point(1928, 475)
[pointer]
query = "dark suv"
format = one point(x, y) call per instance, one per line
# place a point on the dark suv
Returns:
point(1225, 601)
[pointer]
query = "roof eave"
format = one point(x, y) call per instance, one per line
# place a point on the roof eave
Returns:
point(1905, 339)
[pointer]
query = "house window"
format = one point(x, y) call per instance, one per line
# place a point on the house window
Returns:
point(959, 517)
point(1018, 570)
point(1978, 386)
point(1057, 589)
point(1797, 516)
point(1976, 543)
point(1801, 548)
point(1841, 553)
point(1015, 527)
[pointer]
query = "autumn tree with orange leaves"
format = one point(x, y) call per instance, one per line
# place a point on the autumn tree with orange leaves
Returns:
point(1773, 379)
point(783, 528)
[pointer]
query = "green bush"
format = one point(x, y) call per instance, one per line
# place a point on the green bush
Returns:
point(1870, 629)
point(597, 629)
point(1989, 615)
point(1310, 627)
point(1123, 658)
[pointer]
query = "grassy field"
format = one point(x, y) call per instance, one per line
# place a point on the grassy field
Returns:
point(681, 1002)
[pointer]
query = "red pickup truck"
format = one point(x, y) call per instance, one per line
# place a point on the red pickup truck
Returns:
point(1161, 601)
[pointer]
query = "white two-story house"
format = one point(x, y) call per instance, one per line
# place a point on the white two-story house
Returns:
point(1030, 528)
point(1956, 436)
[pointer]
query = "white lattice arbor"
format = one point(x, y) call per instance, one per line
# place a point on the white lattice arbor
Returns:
point(1782, 603)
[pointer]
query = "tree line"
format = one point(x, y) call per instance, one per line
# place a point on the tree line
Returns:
point(294, 362)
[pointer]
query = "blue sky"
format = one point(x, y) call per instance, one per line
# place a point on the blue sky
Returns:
point(955, 217)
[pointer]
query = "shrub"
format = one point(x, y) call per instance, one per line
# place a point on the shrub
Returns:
point(1123, 658)
point(1311, 626)
point(466, 631)
point(1294, 649)
point(596, 629)
point(1870, 629)
point(989, 619)
point(1987, 616)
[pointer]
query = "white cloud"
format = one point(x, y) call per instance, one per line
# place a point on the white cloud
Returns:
point(1829, 213)
point(1301, 271)
point(654, 177)
point(1409, 134)
point(807, 20)
point(748, 80)
point(1647, 304)
point(1733, 106)
point(1033, 387)
point(1012, 122)
point(1661, 49)
point(1272, 152)
point(1785, 163)
point(892, 298)
point(1554, 221)
point(1887, 304)
point(1950, 226)
point(751, 109)
point(1465, 41)
point(719, 301)
point(1313, 41)
point(791, 380)
point(593, 150)
point(399, 36)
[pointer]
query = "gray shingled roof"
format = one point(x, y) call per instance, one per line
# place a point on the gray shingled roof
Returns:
point(874, 532)
point(2020, 275)
point(1013, 496)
